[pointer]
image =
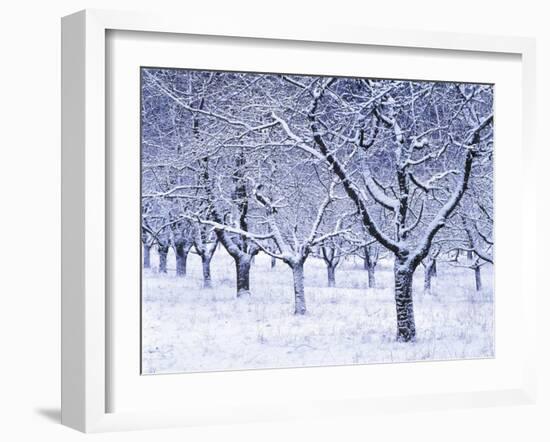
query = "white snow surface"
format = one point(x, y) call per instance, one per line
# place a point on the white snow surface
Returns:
point(186, 328)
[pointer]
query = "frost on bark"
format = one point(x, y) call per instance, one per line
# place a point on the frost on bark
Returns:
point(206, 277)
point(163, 241)
point(372, 277)
point(182, 251)
point(476, 255)
point(242, 257)
point(206, 243)
point(430, 269)
point(182, 239)
point(163, 257)
point(331, 259)
point(370, 260)
point(403, 273)
point(299, 294)
point(147, 242)
point(331, 273)
point(429, 272)
point(146, 256)
point(242, 250)
point(427, 281)
point(477, 271)
point(242, 266)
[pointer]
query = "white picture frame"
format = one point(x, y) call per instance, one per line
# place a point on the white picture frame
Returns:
point(85, 308)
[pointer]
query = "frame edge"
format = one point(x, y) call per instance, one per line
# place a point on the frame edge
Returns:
point(73, 80)
point(83, 205)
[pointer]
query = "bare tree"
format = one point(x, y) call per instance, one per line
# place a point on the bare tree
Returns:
point(163, 246)
point(182, 240)
point(147, 243)
point(403, 154)
point(206, 243)
point(297, 234)
point(331, 257)
point(441, 139)
point(370, 255)
point(430, 269)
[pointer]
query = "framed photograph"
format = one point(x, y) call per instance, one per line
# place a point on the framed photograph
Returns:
point(267, 222)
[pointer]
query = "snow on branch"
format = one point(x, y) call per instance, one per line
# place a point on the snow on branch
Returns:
point(378, 193)
point(226, 228)
point(169, 93)
point(298, 141)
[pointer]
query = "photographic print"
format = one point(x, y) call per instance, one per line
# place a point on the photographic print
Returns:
point(293, 220)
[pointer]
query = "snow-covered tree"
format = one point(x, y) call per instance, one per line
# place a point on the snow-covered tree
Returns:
point(264, 159)
point(390, 142)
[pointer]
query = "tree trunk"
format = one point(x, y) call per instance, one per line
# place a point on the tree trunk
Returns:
point(242, 265)
point(369, 264)
point(273, 262)
point(406, 330)
point(207, 279)
point(478, 277)
point(163, 254)
point(146, 256)
point(428, 279)
point(331, 271)
point(429, 272)
point(181, 259)
point(299, 295)
point(206, 252)
point(372, 278)
point(434, 268)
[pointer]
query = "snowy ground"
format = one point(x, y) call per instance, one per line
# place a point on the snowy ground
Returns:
point(188, 328)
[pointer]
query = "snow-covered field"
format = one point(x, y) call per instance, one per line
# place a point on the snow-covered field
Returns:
point(187, 328)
